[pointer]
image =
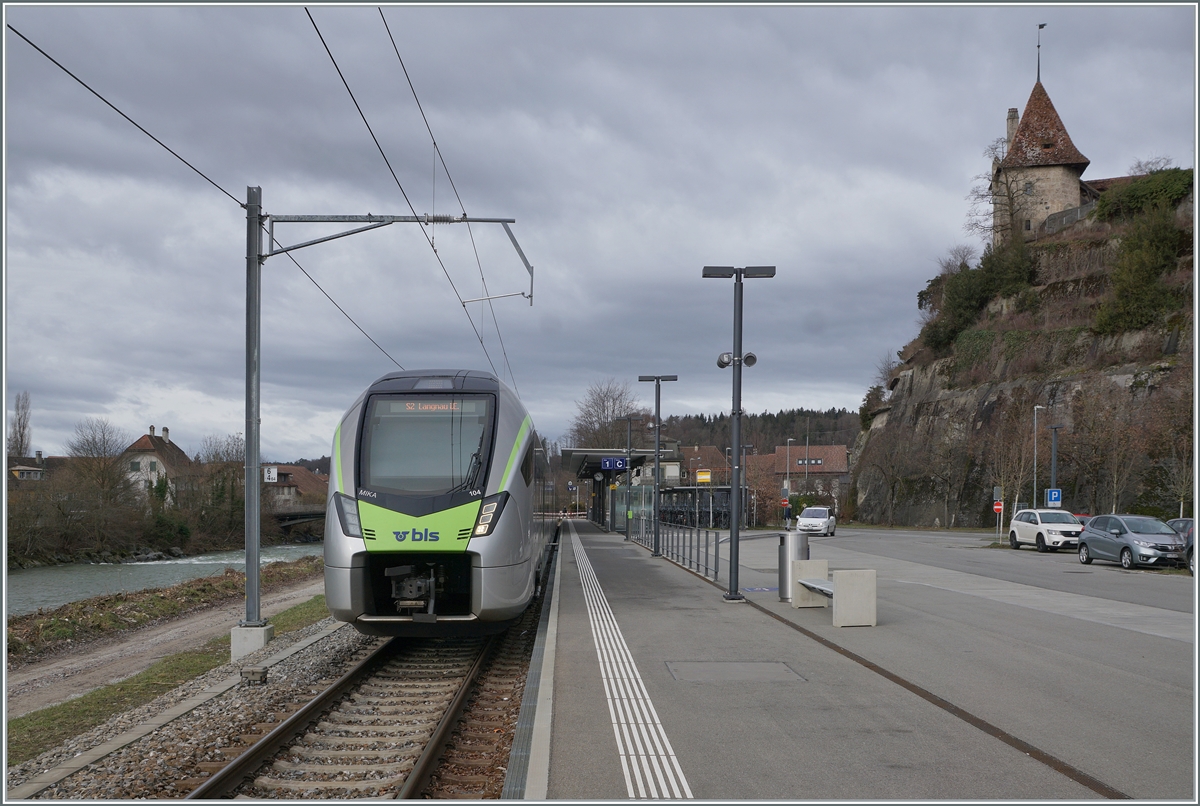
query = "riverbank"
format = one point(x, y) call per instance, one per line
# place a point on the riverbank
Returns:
point(135, 554)
point(40, 635)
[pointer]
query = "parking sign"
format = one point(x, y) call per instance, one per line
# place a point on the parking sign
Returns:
point(1054, 497)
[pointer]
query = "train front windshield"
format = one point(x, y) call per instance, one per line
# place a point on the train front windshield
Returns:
point(427, 445)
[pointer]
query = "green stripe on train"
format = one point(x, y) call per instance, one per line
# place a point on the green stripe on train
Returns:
point(506, 479)
point(447, 531)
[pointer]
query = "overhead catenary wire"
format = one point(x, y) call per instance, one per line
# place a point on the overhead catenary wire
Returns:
point(453, 187)
point(122, 114)
point(206, 178)
point(399, 185)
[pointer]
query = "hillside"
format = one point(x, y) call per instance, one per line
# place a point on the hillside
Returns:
point(1094, 326)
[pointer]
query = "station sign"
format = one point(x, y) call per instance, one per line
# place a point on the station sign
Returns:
point(1054, 497)
point(270, 475)
point(703, 476)
point(614, 463)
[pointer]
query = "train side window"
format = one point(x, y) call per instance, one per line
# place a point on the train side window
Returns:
point(527, 465)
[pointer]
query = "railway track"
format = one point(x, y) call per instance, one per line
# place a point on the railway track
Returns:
point(376, 732)
point(430, 718)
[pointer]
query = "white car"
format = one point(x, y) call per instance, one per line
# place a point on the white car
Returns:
point(1047, 529)
point(817, 521)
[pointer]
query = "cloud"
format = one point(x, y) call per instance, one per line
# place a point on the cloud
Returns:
point(633, 145)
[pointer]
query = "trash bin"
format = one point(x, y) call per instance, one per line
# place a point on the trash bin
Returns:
point(787, 553)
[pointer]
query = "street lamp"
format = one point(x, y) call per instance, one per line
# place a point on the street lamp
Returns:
point(737, 359)
point(658, 379)
point(1035, 498)
point(628, 466)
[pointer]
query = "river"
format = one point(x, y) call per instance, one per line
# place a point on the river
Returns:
point(28, 589)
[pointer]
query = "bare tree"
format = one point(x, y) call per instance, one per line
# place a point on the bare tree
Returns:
point(958, 258)
point(888, 457)
point(215, 496)
point(1149, 165)
point(595, 424)
point(1170, 435)
point(103, 490)
point(1001, 199)
point(950, 462)
point(1008, 446)
point(18, 427)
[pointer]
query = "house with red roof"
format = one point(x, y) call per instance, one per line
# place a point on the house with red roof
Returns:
point(152, 457)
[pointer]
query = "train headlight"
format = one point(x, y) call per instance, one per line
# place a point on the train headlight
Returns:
point(489, 514)
point(347, 509)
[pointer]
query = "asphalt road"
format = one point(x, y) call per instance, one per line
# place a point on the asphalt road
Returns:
point(1058, 571)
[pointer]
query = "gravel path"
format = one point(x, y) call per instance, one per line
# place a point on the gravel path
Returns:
point(168, 761)
point(98, 663)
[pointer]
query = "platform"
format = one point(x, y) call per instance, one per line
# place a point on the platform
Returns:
point(662, 689)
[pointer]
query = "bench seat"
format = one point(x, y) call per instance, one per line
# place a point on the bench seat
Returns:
point(852, 593)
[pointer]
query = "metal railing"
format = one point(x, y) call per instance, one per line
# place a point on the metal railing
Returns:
point(696, 549)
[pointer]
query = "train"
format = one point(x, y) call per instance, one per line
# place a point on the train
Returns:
point(438, 517)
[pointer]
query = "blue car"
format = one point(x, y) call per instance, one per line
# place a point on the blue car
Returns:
point(1131, 540)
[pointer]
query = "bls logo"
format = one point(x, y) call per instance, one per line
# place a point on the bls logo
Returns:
point(416, 535)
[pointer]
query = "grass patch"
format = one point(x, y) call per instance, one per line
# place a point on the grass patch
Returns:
point(42, 632)
point(35, 733)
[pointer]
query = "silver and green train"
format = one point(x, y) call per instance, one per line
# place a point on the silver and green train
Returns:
point(436, 522)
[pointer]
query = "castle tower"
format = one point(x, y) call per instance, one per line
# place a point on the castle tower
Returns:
point(1041, 170)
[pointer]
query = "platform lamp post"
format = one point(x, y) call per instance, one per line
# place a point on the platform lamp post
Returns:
point(658, 381)
point(1035, 441)
point(628, 466)
point(737, 359)
point(696, 485)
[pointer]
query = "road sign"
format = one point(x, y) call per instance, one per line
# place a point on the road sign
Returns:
point(614, 463)
point(998, 506)
point(996, 495)
point(784, 503)
point(1054, 497)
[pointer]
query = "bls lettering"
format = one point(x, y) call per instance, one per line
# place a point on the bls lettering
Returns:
point(417, 535)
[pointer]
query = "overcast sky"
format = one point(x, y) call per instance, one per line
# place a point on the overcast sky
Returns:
point(633, 146)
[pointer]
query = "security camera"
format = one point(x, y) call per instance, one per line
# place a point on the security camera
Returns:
point(749, 359)
point(724, 360)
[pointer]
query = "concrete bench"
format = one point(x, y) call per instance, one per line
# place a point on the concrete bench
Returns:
point(851, 592)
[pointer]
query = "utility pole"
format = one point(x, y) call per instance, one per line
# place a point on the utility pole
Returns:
point(253, 632)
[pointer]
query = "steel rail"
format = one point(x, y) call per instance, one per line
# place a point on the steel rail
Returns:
point(223, 782)
point(418, 777)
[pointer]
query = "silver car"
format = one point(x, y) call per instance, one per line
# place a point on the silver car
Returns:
point(1131, 540)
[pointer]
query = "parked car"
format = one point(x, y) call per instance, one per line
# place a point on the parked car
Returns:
point(1082, 518)
point(1187, 549)
point(816, 520)
point(1131, 540)
point(1180, 525)
point(1047, 529)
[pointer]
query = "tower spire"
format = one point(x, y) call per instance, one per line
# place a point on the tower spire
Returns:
point(1041, 25)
